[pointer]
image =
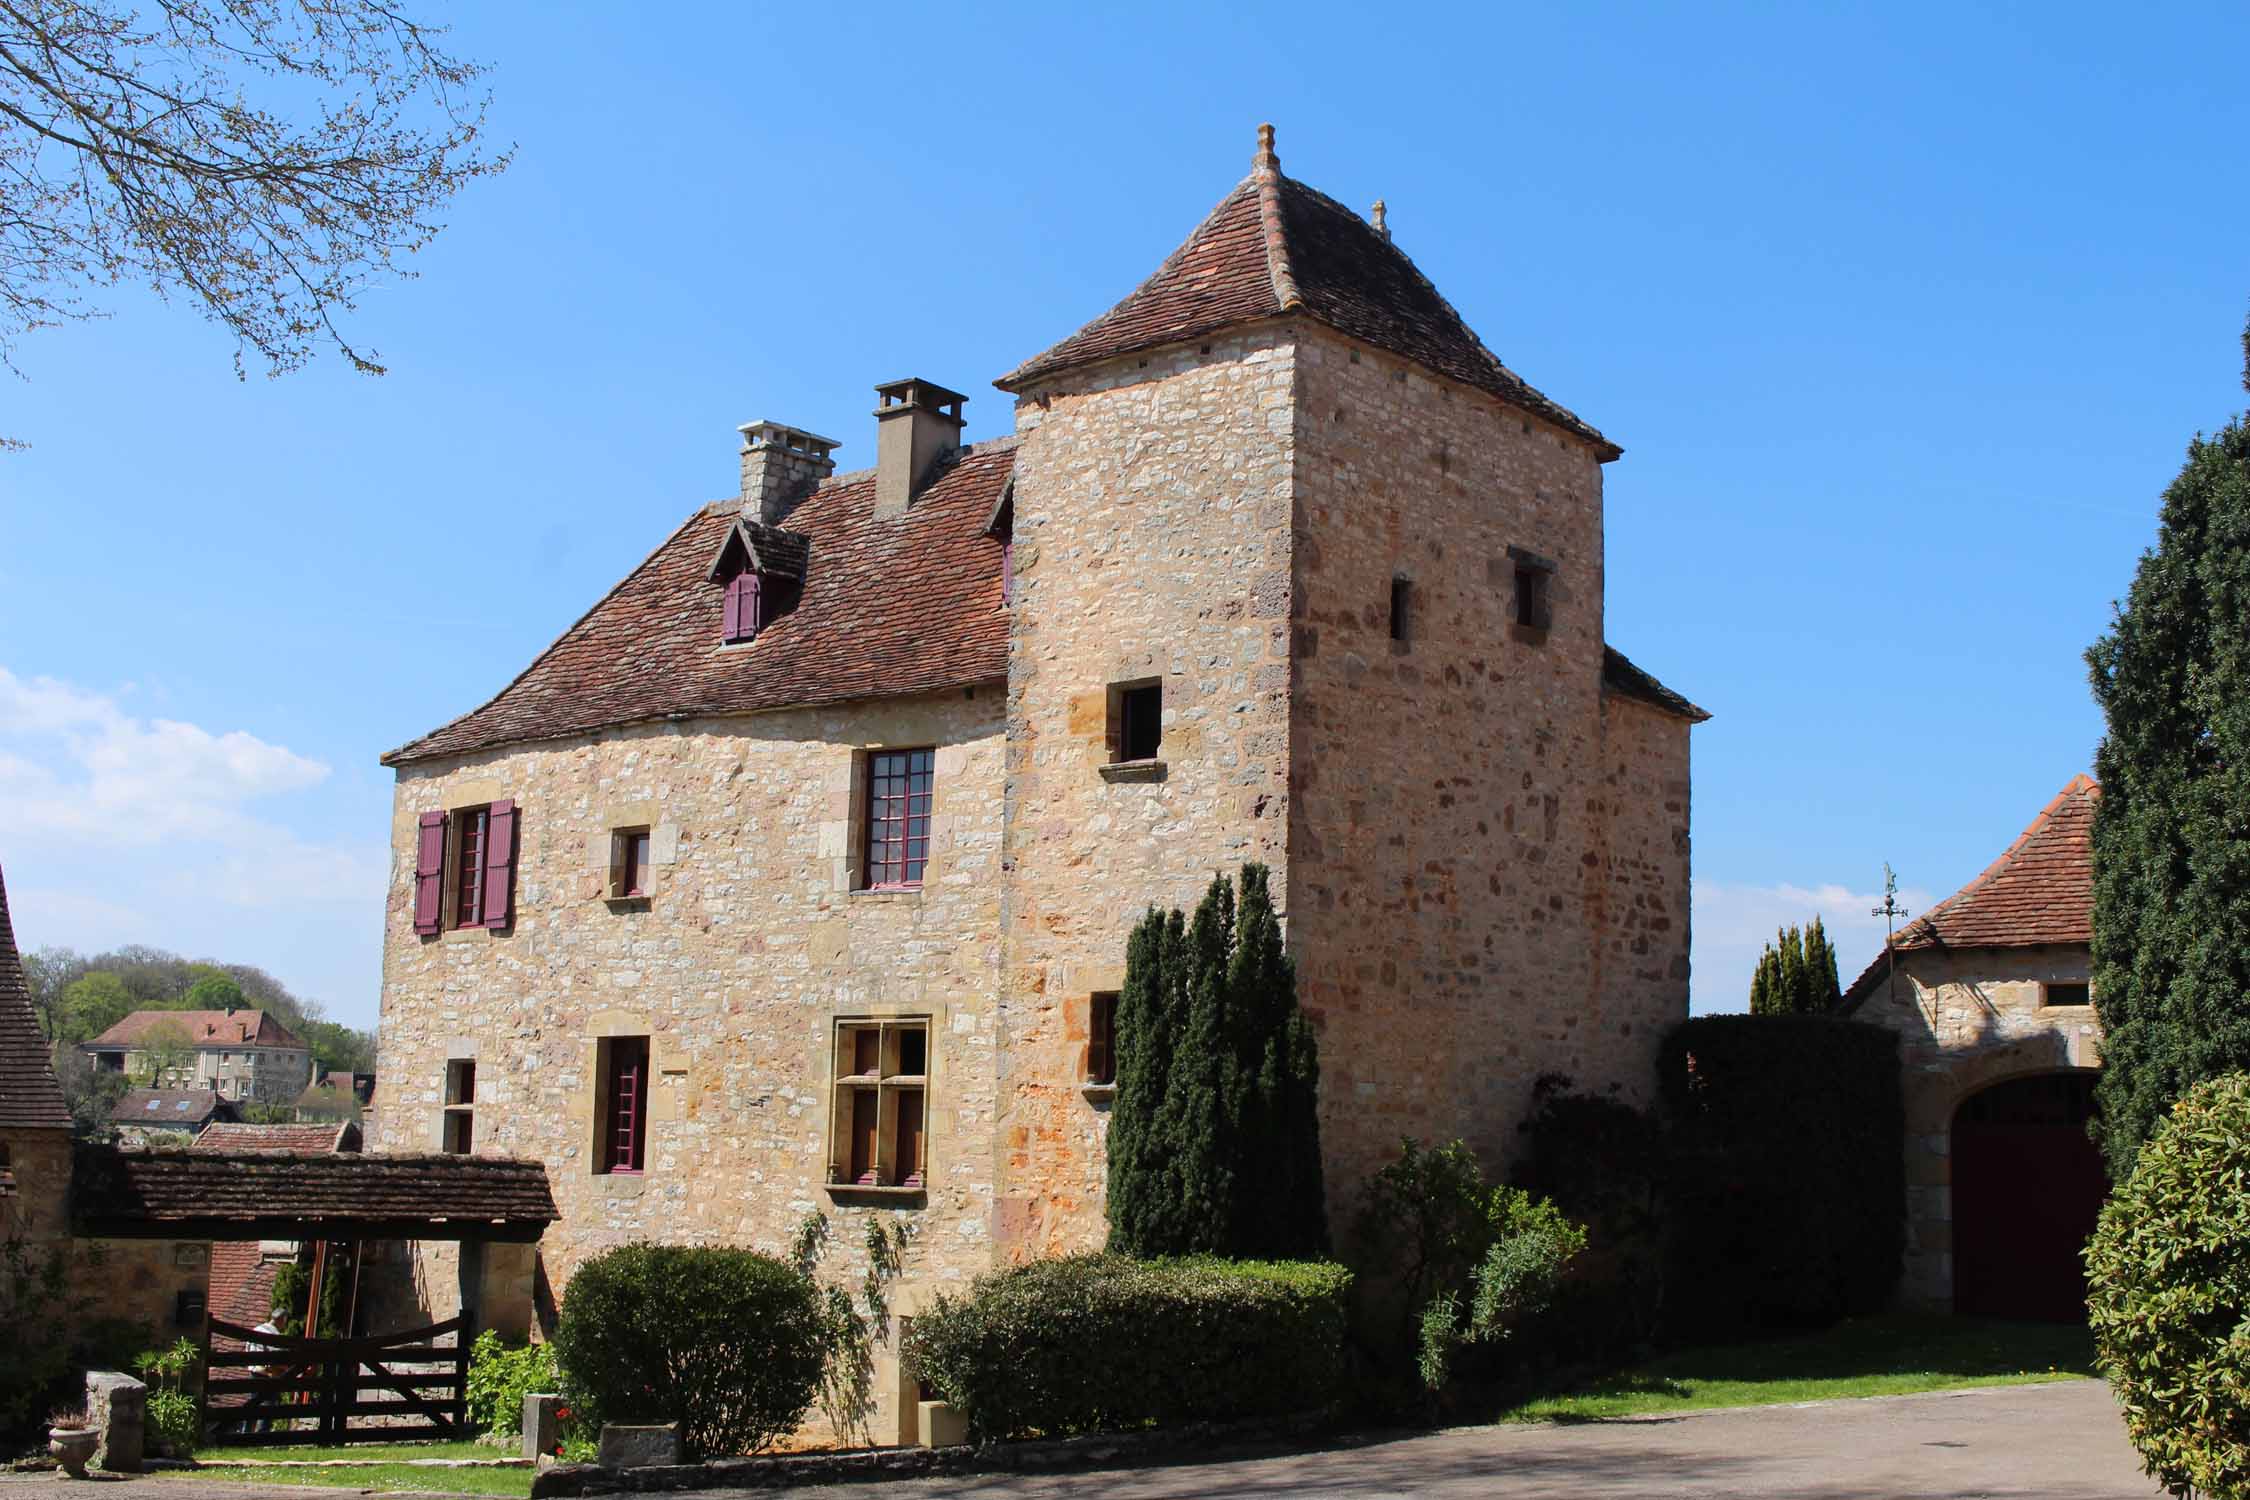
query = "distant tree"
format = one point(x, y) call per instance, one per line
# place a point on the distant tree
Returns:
point(2171, 855)
point(215, 991)
point(80, 996)
point(1796, 975)
point(1214, 1138)
point(90, 1092)
point(91, 1005)
point(164, 1049)
point(267, 160)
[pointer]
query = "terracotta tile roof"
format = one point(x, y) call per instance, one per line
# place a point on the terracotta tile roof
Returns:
point(241, 1283)
point(272, 1194)
point(182, 1109)
point(30, 1097)
point(909, 605)
point(1620, 676)
point(1274, 247)
point(323, 1139)
point(205, 1028)
point(2039, 892)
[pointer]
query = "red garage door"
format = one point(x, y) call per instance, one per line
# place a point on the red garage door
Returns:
point(2027, 1185)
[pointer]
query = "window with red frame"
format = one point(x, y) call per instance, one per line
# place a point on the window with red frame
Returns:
point(623, 1145)
point(898, 817)
point(471, 826)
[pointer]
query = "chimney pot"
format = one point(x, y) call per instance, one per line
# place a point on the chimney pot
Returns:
point(917, 424)
point(780, 467)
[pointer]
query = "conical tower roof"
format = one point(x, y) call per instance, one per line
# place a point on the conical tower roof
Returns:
point(29, 1095)
point(1275, 247)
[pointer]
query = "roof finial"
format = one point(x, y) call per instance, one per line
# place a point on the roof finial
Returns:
point(1265, 160)
point(1376, 218)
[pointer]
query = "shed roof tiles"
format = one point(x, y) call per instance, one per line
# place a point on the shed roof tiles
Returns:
point(321, 1139)
point(170, 1192)
point(30, 1095)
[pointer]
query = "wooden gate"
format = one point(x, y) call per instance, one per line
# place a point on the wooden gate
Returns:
point(2027, 1187)
point(272, 1388)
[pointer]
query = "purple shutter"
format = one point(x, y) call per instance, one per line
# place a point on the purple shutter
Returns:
point(500, 864)
point(732, 630)
point(429, 872)
point(753, 604)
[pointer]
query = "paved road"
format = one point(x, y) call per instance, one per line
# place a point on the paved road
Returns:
point(2052, 1442)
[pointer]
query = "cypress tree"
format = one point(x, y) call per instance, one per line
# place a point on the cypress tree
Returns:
point(1791, 944)
point(1823, 989)
point(1214, 1136)
point(2171, 852)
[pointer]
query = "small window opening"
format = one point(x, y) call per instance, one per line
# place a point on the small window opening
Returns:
point(1534, 610)
point(628, 863)
point(471, 826)
point(460, 1106)
point(746, 607)
point(622, 1144)
point(1402, 604)
point(1136, 721)
point(2067, 994)
point(1101, 1040)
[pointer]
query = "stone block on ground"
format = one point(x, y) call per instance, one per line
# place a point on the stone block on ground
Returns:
point(118, 1407)
point(542, 1424)
point(639, 1447)
point(943, 1425)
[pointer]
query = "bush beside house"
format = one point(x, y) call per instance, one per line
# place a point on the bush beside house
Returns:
point(1101, 1343)
point(2168, 1276)
point(730, 1344)
point(1787, 1203)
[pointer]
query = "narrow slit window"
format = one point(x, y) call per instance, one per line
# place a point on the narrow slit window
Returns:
point(1101, 1041)
point(1139, 723)
point(628, 863)
point(1534, 611)
point(622, 1146)
point(459, 1137)
point(1402, 607)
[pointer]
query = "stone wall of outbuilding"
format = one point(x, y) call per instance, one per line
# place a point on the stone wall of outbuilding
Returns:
point(1968, 1019)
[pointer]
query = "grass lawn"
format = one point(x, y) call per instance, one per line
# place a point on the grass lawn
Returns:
point(1890, 1355)
point(380, 1476)
point(373, 1453)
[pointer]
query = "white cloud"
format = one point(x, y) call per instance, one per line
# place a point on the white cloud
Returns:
point(1733, 924)
point(75, 762)
point(122, 828)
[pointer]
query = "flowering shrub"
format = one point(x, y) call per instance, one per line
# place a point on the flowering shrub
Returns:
point(499, 1379)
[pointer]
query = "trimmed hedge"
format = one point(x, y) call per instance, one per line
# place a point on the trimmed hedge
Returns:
point(2168, 1274)
point(1102, 1343)
point(1788, 1193)
point(728, 1343)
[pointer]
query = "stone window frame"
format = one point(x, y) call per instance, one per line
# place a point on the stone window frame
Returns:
point(1100, 1068)
point(457, 1115)
point(862, 827)
point(2085, 987)
point(1126, 702)
point(609, 1078)
point(632, 872)
point(1531, 605)
point(889, 1085)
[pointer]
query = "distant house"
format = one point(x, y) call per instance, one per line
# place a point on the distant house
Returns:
point(167, 1117)
point(240, 1054)
point(1990, 992)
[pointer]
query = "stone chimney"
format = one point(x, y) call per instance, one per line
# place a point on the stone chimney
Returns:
point(780, 466)
point(916, 424)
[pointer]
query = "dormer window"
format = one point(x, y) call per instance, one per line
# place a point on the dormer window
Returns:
point(745, 607)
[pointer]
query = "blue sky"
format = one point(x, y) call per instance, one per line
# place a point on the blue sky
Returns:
point(1903, 315)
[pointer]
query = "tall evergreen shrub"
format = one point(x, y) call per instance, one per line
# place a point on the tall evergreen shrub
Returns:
point(1796, 975)
point(1214, 1136)
point(2171, 853)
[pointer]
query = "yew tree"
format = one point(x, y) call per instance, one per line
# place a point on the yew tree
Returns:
point(1214, 1135)
point(2172, 828)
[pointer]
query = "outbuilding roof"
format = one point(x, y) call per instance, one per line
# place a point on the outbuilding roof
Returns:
point(321, 1139)
point(204, 1029)
point(173, 1193)
point(1621, 677)
point(2039, 892)
point(1275, 247)
point(30, 1095)
point(181, 1109)
point(890, 607)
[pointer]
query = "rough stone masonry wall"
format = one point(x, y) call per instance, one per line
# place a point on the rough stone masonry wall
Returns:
point(1152, 540)
point(750, 946)
point(1968, 1019)
point(1462, 888)
point(134, 1281)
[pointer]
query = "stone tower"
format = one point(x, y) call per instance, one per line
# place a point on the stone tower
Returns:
point(1360, 563)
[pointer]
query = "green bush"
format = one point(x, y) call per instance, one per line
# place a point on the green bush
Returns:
point(1788, 1201)
point(1099, 1343)
point(174, 1421)
point(1605, 1163)
point(728, 1343)
point(2168, 1277)
point(1464, 1264)
point(501, 1376)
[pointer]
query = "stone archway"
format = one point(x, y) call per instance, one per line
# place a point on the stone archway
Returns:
point(2027, 1186)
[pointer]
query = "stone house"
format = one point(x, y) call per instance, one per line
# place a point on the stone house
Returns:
point(240, 1054)
point(1990, 993)
point(167, 1117)
point(796, 874)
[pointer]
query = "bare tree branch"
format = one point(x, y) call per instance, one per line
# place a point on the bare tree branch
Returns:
point(268, 159)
